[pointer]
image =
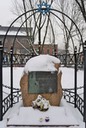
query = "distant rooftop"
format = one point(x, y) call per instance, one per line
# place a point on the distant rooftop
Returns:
point(13, 30)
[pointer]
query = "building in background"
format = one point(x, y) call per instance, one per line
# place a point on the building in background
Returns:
point(22, 42)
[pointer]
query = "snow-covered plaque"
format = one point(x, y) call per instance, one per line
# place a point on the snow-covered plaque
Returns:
point(42, 82)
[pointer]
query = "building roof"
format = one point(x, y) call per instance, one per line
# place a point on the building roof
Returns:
point(13, 30)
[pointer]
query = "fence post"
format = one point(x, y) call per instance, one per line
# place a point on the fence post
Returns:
point(1, 90)
point(84, 48)
point(11, 64)
point(75, 80)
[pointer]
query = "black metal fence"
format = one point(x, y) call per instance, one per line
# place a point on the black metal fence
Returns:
point(21, 59)
point(6, 103)
point(69, 96)
point(69, 59)
point(18, 59)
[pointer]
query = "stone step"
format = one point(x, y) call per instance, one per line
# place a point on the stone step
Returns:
point(29, 117)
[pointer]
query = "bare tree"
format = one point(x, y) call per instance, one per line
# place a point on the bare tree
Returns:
point(37, 21)
point(43, 23)
point(70, 9)
point(82, 7)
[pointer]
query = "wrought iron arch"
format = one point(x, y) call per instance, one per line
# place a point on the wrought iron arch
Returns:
point(43, 11)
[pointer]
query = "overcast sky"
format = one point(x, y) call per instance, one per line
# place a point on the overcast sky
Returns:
point(6, 15)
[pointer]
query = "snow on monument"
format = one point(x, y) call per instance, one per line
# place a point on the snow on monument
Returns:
point(41, 76)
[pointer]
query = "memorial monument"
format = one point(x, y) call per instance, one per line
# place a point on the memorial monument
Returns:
point(41, 77)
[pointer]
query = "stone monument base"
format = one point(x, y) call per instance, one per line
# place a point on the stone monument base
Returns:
point(54, 98)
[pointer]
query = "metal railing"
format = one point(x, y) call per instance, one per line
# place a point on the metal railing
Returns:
point(69, 60)
point(18, 59)
point(68, 95)
point(21, 59)
point(7, 104)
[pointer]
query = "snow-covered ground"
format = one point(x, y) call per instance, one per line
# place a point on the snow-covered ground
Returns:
point(65, 114)
point(67, 82)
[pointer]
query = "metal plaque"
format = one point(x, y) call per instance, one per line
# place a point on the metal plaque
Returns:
point(42, 82)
